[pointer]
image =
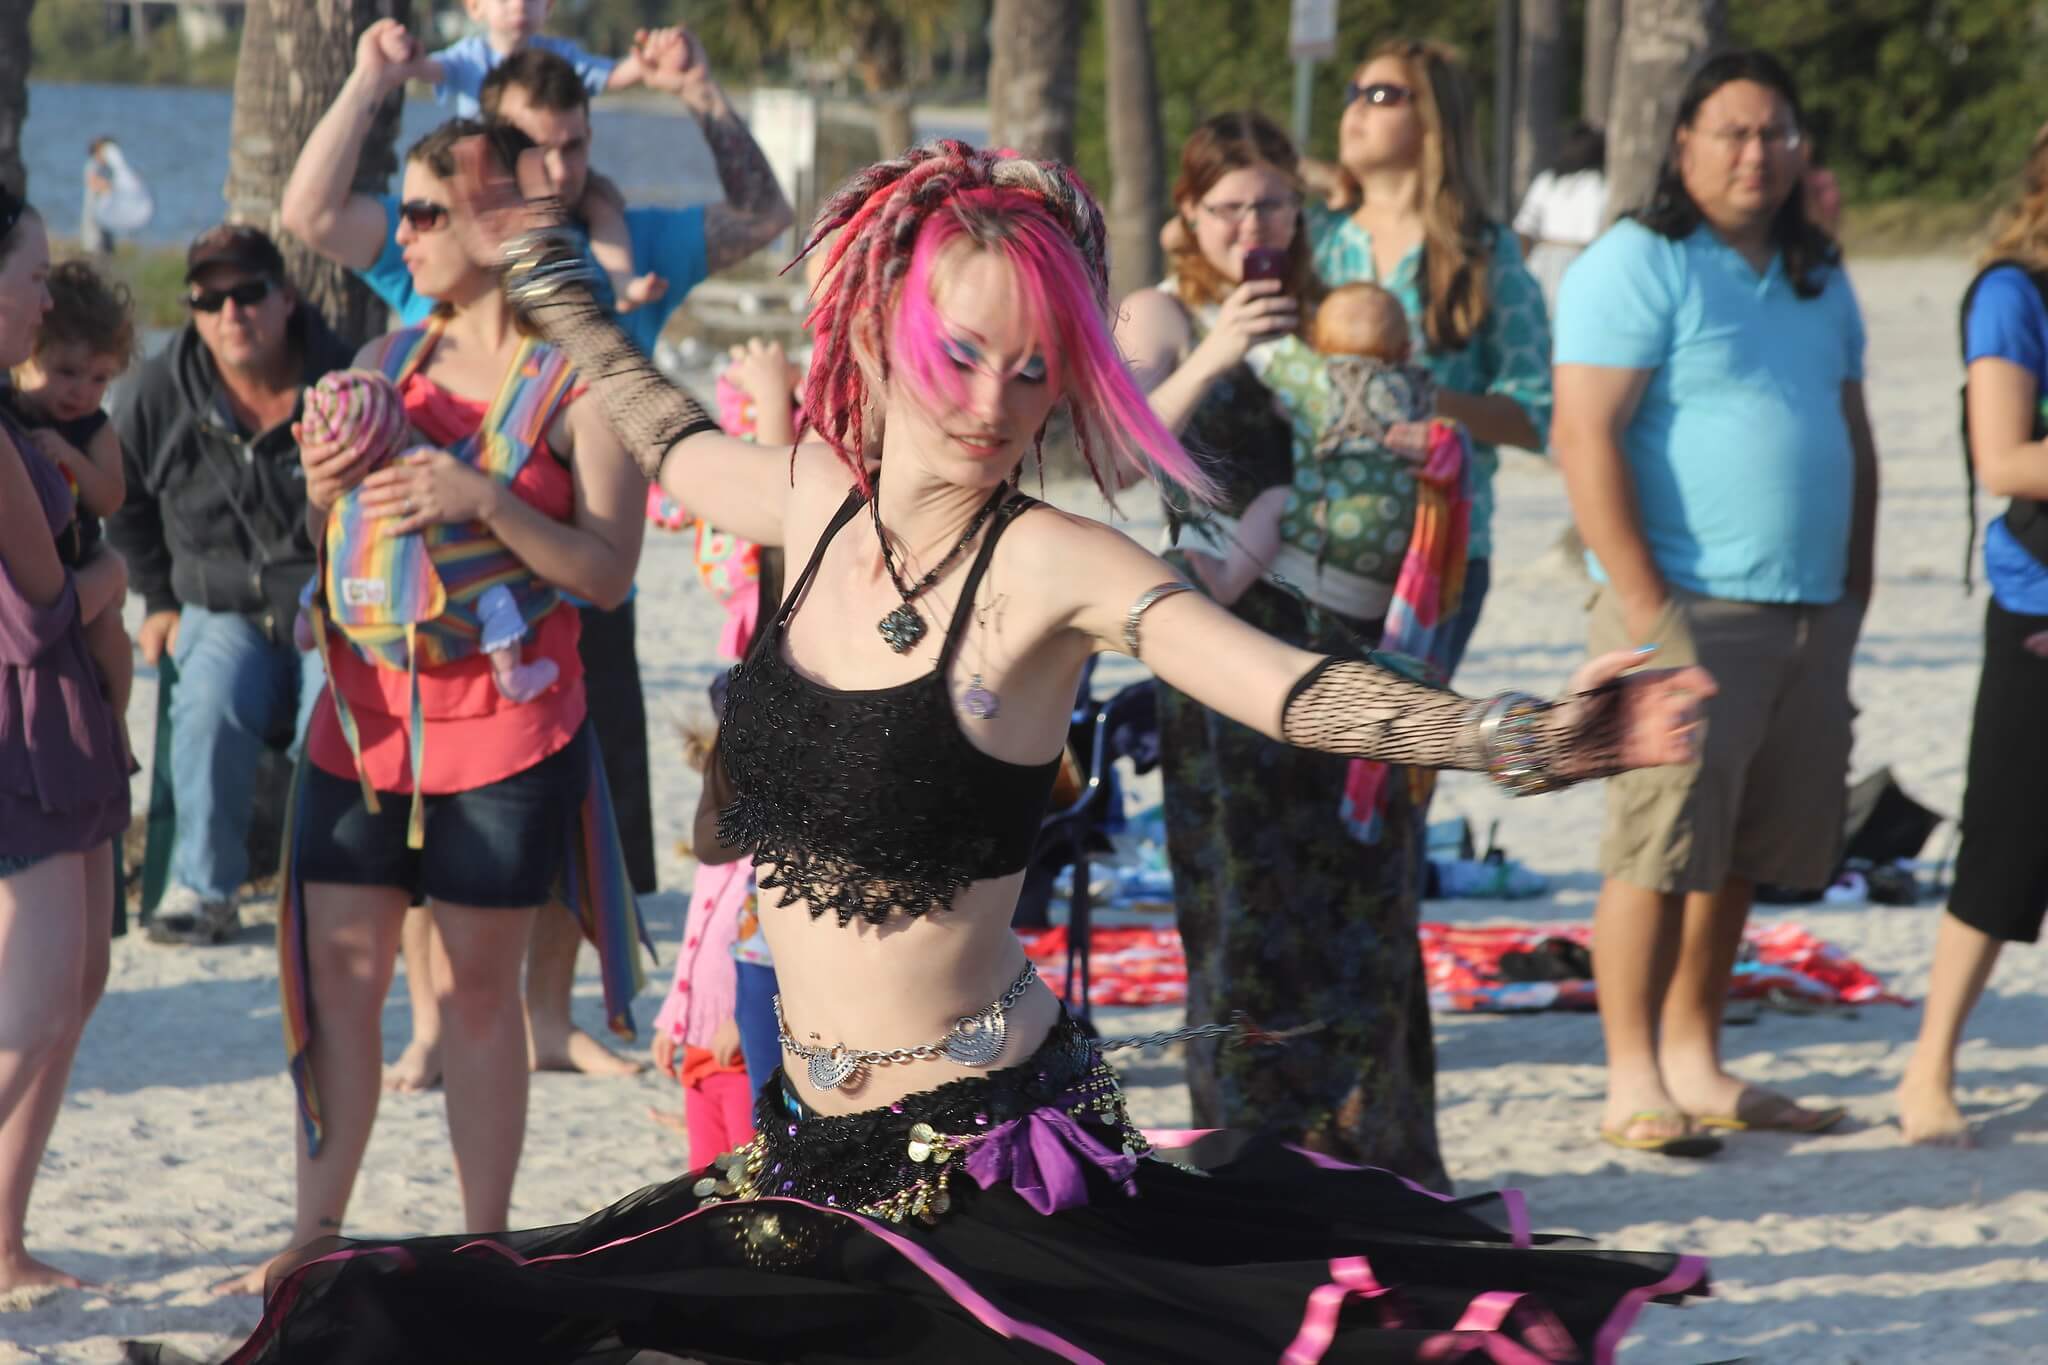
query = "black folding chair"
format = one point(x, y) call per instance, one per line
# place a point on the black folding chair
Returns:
point(1098, 734)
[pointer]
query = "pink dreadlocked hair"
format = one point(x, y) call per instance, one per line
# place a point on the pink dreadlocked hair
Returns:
point(898, 218)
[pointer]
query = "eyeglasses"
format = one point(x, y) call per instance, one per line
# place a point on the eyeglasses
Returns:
point(1268, 210)
point(1379, 92)
point(423, 215)
point(247, 294)
point(1774, 137)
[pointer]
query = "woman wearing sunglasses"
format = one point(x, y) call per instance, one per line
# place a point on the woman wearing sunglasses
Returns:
point(483, 804)
point(1405, 209)
point(63, 779)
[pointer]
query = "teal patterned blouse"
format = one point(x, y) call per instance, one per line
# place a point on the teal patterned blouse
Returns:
point(1509, 356)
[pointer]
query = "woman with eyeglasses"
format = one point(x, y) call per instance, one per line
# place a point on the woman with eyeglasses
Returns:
point(1405, 208)
point(423, 782)
point(1285, 916)
point(63, 774)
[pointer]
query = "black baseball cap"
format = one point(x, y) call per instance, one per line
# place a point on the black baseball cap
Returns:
point(238, 245)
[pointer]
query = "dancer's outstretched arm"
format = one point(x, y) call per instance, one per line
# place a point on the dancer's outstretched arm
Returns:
point(736, 485)
point(1611, 720)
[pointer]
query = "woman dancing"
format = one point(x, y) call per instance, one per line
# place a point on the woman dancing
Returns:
point(945, 1170)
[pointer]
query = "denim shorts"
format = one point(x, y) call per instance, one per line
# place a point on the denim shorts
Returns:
point(500, 846)
point(11, 863)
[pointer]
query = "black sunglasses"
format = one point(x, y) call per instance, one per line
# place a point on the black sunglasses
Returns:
point(247, 294)
point(423, 215)
point(12, 207)
point(1379, 92)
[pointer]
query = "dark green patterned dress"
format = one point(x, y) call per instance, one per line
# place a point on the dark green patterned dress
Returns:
point(1284, 915)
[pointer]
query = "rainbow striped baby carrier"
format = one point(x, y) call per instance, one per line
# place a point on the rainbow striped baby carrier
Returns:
point(407, 601)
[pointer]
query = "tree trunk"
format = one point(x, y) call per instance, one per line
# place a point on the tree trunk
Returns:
point(1661, 42)
point(295, 56)
point(14, 60)
point(1603, 36)
point(1034, 62)
point(878, 55)
point(1539, 86)
point(1137, 149)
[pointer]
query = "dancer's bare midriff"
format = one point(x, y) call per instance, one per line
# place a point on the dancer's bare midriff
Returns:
point(901, 984)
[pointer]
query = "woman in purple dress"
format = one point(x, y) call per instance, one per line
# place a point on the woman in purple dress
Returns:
point(63, 779)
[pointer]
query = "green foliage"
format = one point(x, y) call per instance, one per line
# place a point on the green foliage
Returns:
point(1922, 98)
point(71, 42)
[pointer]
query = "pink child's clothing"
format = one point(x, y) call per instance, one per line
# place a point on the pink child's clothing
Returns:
point(718, 1111)
point(717, 1103)
point(706, 983)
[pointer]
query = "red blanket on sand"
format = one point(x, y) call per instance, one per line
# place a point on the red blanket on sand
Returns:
point(1144, 966)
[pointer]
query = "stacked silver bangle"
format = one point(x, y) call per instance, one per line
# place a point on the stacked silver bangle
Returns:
point(1512, 744)
point(539, 263)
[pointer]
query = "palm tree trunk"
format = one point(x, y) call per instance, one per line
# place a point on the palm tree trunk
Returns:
point(295, 56)
point(1603, 36)
point(1137, 149)
point(1033, 65)
point(1661, 42)
point(14, 60)
point(1539, 87)
point(878, 55)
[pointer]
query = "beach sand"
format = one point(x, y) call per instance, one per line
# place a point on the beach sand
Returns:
point(171, 1165)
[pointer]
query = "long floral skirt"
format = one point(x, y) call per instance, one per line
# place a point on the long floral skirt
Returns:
point(1290, 920)
point(1009, 1217)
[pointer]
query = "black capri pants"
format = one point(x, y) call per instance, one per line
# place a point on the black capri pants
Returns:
point(2001, 884)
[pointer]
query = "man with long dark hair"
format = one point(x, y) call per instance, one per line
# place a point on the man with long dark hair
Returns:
point(1711, 428)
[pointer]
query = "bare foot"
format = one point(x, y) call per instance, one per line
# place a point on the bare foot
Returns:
point(581, 1052)
point(1928, 1114)
point(251, 1282)
point(670, 1119)
point(21, 1271)
point(417, 1069)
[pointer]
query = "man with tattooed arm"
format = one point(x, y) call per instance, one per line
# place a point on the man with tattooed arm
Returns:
point(540, 94)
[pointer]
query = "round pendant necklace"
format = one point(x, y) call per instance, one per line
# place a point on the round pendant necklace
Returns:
point(903, 627)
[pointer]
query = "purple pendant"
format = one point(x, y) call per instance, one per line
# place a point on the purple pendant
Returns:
point(981, 703)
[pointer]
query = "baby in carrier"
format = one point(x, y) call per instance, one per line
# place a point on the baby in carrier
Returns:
point(362, 410)
point(1353, 504)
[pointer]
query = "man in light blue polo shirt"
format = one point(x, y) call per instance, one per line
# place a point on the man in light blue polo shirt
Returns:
point(1711, 429)
point(539, 93)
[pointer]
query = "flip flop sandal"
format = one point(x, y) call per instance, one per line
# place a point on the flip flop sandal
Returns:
point(1814, 1120)
point(1693, 1145)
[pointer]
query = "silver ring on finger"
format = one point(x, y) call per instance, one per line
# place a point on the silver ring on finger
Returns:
point(407, 508)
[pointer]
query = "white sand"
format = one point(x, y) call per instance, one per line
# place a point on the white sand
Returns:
point(172, 1162)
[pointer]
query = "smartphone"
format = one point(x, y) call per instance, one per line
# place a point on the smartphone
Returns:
point(1265, 263)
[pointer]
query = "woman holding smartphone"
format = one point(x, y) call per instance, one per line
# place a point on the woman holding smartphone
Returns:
point(1285, 916)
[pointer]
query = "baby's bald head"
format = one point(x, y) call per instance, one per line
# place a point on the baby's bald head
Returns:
point(1361, 319)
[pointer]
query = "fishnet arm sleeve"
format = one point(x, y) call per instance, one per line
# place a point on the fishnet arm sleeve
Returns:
point(1363, 710)
point(648, 411)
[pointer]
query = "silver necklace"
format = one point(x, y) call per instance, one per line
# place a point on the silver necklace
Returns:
point(976, 1040)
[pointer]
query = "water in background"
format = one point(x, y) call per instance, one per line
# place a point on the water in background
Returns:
point(177, 140)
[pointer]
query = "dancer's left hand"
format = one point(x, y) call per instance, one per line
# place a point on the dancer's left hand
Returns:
point(427, 487)
point(1661, 709)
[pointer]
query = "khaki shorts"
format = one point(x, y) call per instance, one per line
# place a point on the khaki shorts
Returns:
point(1765, 801)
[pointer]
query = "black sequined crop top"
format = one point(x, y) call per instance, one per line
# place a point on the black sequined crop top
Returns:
point(861, 802)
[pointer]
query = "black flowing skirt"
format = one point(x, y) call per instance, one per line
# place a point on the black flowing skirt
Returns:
point(1011, 1217)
